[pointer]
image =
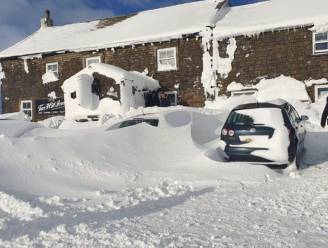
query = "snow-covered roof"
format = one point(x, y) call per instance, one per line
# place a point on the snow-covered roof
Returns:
point(138, 79)
point(147, 26)
point(271, 15)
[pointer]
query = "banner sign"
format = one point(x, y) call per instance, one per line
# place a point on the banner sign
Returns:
point(50, 107)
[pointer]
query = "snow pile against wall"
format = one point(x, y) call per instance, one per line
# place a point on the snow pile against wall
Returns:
point(281, 87)
point(81, 101)
point(312, 82)
point(271, 15)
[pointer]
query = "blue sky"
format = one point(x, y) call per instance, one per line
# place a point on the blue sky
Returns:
point(19, 18)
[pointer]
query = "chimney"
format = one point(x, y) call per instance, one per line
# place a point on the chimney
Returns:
point(46, 21)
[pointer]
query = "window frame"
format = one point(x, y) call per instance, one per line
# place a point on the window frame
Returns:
point(30, 109)
point(316, 93)
point(175, 93)
point(51, 64)
point(161, 68)
point(92, 58)
point(315, 42)
point(243, 92)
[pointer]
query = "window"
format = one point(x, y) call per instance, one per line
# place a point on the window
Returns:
point(73, 95)
point(240, 119)
point(321, 91)
point(92, 60)
point(173, 97)
point(167, 59)
point(320, 43)
point(52, 67)
point(26, 107)
point(243, 92)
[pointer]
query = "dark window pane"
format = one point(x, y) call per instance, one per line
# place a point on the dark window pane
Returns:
point(240, 119)
point(73, 95)
point(321, 46)
point(152, 122)
point(321, 36)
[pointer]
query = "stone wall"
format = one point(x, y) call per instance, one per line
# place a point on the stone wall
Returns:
point(20, 85)
point(271, 54)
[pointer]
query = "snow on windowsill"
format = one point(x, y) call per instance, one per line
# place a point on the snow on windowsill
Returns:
point(49, 77)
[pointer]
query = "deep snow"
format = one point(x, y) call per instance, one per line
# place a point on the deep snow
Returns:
point(144, 186)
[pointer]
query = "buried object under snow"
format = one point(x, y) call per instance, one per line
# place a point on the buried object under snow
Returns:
point(82, 96)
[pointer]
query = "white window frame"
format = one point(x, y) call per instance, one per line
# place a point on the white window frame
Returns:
point(175, 93)
point(30, 109)
point(316, 93)
point(92, 58)
point(314, 42)
point(161, 68)
point(243, 92)
point(51, 64)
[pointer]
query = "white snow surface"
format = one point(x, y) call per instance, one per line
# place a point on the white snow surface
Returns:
point(152, 25)
point(165, 186)
point(272, 15)
point(269, 89)
point(49, 77)
point(87, 103)
point(2, 74)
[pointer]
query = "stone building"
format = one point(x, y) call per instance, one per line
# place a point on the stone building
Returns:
point(195, 50)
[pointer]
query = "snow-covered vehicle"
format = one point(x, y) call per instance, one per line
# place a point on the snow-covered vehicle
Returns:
point(271, 133)
point(135, 121)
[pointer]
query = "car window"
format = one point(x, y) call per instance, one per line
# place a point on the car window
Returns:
point(292, 114)
point(152, 122)
point(297, 116)
point(129, 123)
point(254, 116)
point(239, 119)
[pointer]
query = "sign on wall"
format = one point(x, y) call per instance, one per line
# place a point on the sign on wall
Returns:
point(50, 107)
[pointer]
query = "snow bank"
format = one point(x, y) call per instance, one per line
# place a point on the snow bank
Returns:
point(79, 162)
point(81, 101)
point(312, 82)
point(19, 209)
point(269, 89)
point(284, 87)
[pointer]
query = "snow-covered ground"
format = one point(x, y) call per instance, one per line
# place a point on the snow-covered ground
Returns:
point(163, 186)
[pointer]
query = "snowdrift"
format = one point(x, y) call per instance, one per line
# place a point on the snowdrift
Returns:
point(81, 163)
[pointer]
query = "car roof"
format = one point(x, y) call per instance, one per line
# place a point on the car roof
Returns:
point(272, 104)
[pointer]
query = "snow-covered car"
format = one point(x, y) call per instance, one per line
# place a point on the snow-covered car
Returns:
point(132, 122)
point(270, 133)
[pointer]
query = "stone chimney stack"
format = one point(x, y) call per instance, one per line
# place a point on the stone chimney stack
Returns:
point(46, 21)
